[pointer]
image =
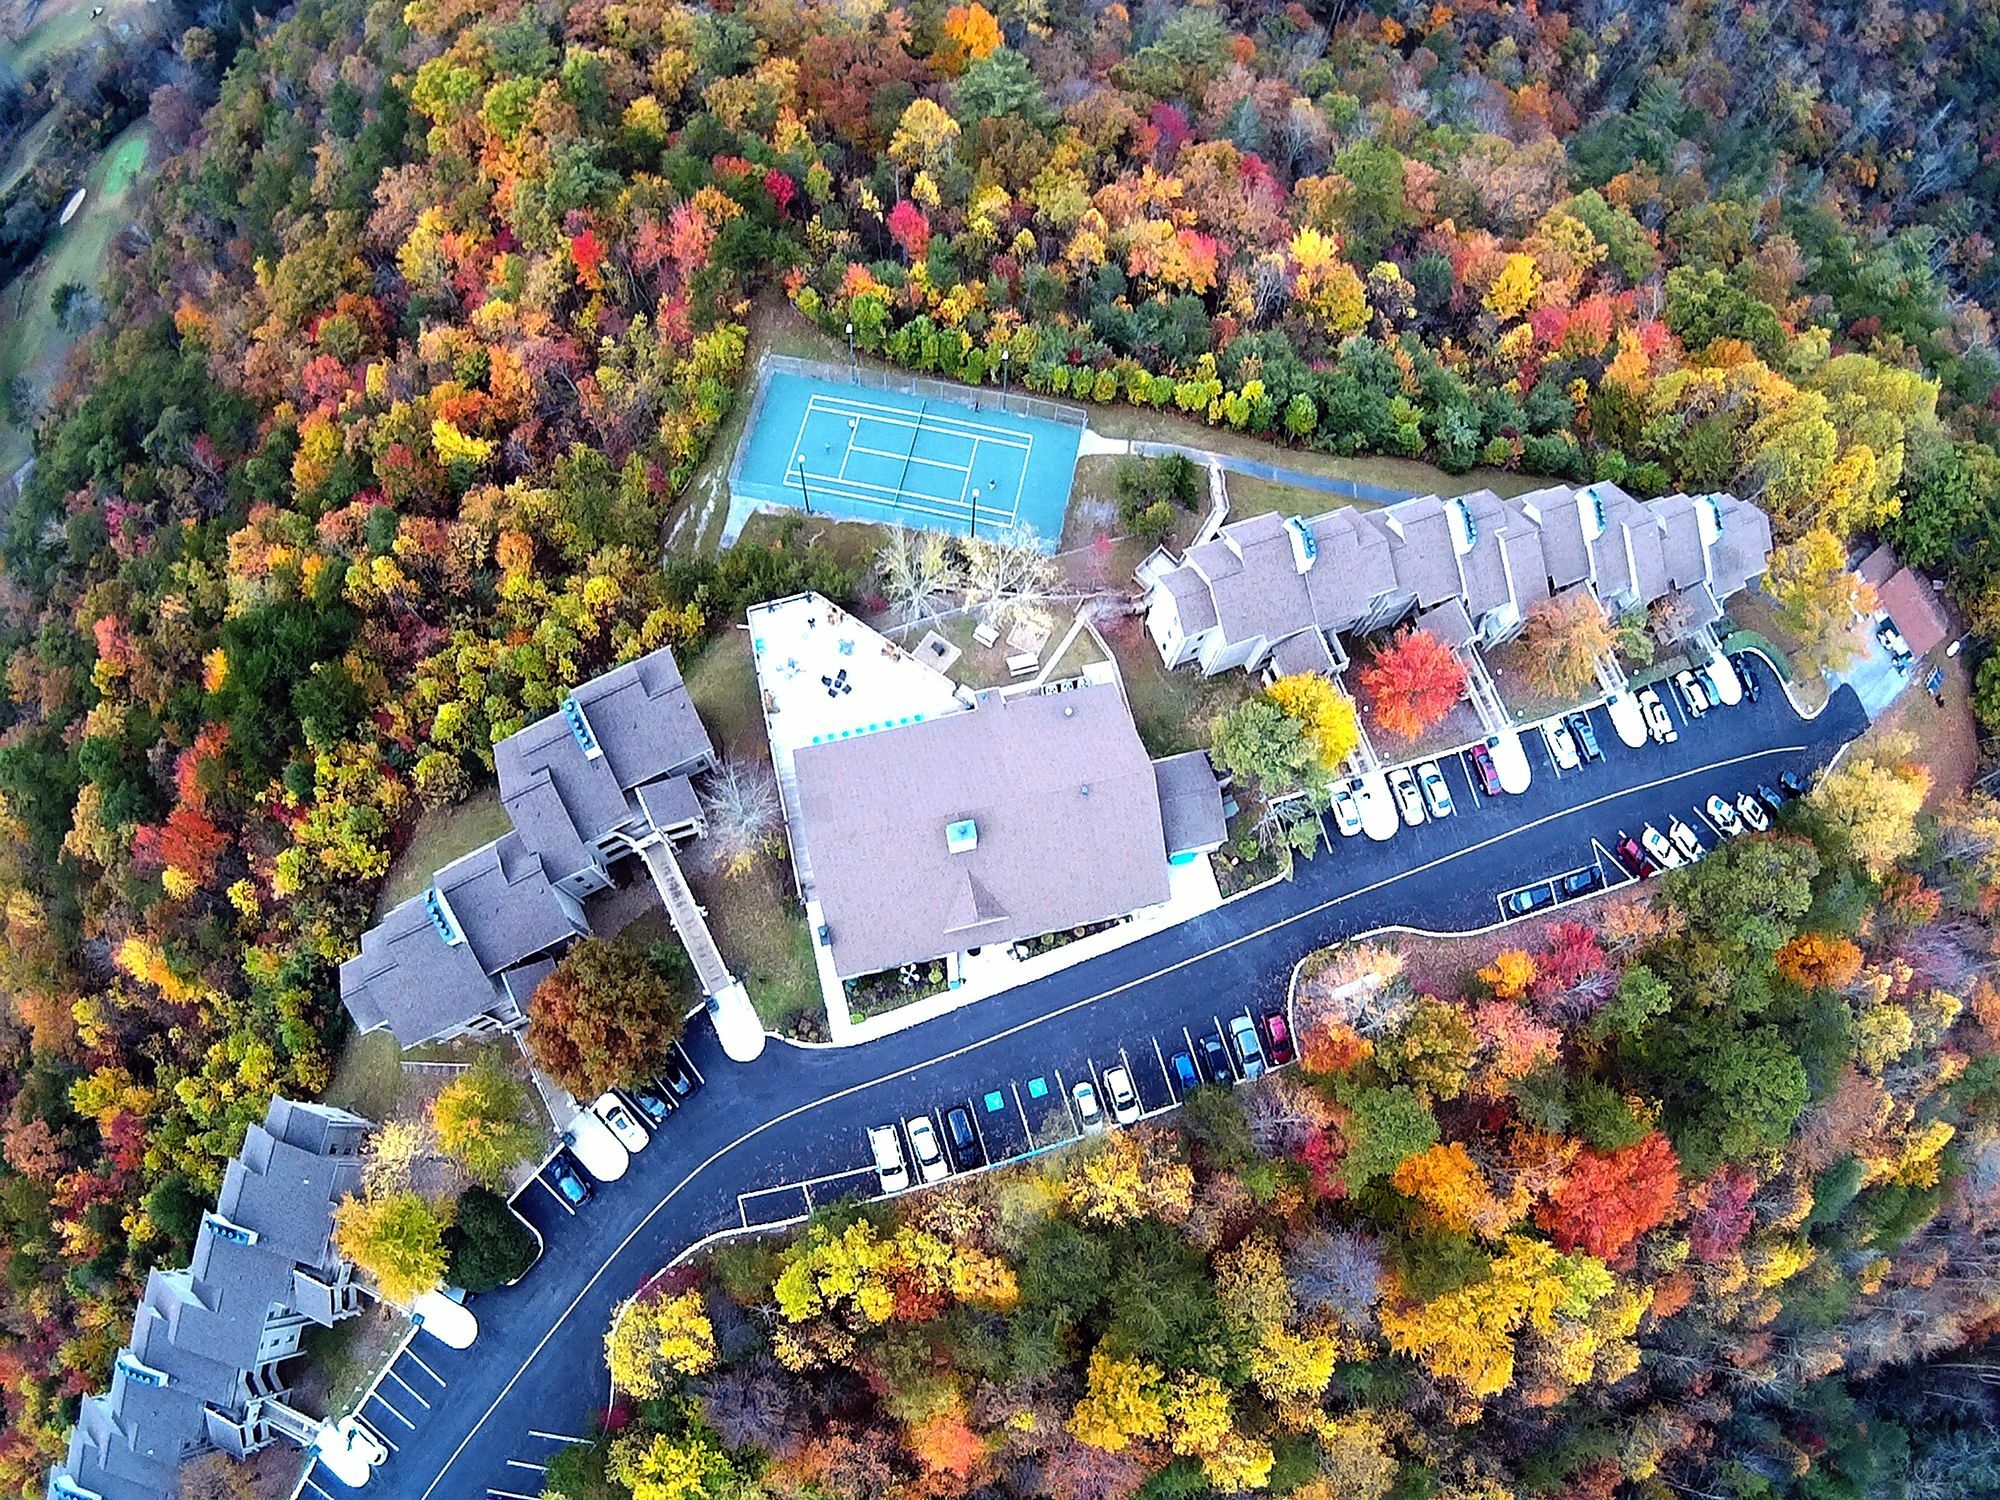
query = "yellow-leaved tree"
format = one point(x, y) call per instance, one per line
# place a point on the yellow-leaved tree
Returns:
point(1326, 713)
point(655, 1340)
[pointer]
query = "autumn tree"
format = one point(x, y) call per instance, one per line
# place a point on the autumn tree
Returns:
point(1819, 961)
point(397, 1239)
point(1561, 642)
point(656, 1340)
point(740, 801)
point(603, 1017)
point(1261, 743)
point(1608, 1199)
point(1326, 713)
point(1867, 806)
point(485, 1119)
point(1414, 681)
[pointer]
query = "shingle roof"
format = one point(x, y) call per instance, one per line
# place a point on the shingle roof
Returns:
point(1191, 816)
point(1681, 547)
point(1059, 790)
point(1448, 622)
point(1192, 602)
point(1559, 518)
point(1305, 652)
point(1420, 549)
point(1254, 580)
point(1913, 604)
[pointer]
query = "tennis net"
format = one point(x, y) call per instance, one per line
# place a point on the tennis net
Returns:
point(916, 431)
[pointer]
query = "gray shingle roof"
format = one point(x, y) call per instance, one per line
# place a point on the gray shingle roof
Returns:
point(1191, 816)
point(1066, 811)
point(1253, 579)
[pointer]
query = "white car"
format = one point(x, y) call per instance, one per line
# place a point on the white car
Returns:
point(1722, 813)
point(612, 1111)
point(1562, 748)
point(1685, 841)
point(1691, 694)
point(1664, 854)
point(926, 1148)
point(1753, 813)
point(1408, 798)
point(1437, 795)
point(1088, 1114)
point(887, 1149)
point(1658, 723)
point(1346, 812)
point(1125, 1105)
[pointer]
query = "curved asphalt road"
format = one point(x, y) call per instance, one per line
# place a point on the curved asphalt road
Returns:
point(483, 1421)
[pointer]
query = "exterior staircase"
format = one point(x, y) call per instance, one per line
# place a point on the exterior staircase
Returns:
point(690, 924)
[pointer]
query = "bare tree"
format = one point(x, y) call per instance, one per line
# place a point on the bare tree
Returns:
point(916, 569)
point(744, 815)
point(1007, 574)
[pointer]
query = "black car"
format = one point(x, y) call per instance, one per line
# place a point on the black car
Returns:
point(1585, 736)
point(677, 1075)
point(1768, 795)
point(1215, 1061)
point(569, 1183)
point(653, 1104)
point(1793, 783)
point(1531, 898)
point(1741, 661)
point(1580, 882)
point(962, 1140)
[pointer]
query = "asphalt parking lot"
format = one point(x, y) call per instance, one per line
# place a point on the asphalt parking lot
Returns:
point(763, 1142)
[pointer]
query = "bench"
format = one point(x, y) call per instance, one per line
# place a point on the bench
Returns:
point(1023, 664)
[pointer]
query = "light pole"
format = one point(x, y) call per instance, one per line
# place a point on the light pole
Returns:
point(1006, 363)
point(804, 493)
point(853, 369)
point(974, 519)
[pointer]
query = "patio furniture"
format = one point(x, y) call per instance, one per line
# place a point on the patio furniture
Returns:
point(1023, 663)
point(987, 634)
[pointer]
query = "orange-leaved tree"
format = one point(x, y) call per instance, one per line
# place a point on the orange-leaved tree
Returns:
point(1413, 680)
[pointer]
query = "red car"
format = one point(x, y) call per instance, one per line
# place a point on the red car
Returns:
point(1632, 857)
point(1278, 1036)
point(1489, 774)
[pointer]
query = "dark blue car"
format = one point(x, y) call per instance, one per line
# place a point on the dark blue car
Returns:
point(1184, 1073)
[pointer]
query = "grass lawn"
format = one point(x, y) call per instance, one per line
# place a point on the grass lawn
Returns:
point(1755, 610)
point(368, 1075)
point(1083, 651)
point(761, 929)
point(443, 834)
point(32, 343)
point(1172, 709)
point(341, 1360)
point(722, 682)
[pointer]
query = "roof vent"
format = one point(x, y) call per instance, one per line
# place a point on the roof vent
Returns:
point(1084, 790)
point(441, 918)
point(961, 837)
point(1305, 546)
point(222, 1229)
point(579, 729)
point(136, 1373)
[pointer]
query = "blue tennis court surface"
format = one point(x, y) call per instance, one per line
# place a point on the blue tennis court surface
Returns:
point(860, 454)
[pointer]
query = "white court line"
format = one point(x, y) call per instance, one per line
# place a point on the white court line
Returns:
point(411, 1389)
point(1082, 1002)
point(911, 458)
point(843, 488)
point(897, 416)
point(424, 1367)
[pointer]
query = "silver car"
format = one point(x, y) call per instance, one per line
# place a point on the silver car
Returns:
point(1408, 798)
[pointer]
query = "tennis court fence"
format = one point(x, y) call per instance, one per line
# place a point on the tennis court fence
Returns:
point(981, 398)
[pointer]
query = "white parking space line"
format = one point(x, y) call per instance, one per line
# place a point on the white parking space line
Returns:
point(1165, 1077)
point(1465, 769)
point(424, 1367)
point(555, 1437)
point(561, 1201)
point(972, 1114)
point(522, 1463)
point(1023, 1109)
point(690, 1063)
point(376, 1428)
point(411, 1389)
point(1616, 866)
point(1228, 1052)
point(1708, 823)
point(317, 1490)
point(378, 1396)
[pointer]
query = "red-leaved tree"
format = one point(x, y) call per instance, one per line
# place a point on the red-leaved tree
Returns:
point(1413, 680)
point(1607, 1199)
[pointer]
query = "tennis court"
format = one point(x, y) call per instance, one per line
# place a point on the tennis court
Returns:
point(895, 457)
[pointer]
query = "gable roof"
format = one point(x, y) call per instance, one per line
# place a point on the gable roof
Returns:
point(1191, 815)
point(1065, 817)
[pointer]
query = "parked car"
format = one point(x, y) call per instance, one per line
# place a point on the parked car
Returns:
point(1579, 882)
point(1278, 1036)
point(595, 1147)
point(1089, 1113)
point(1793, 784)
point(1659, 724)
point(1185, 1076)
point(1662, 852)
point(1528, 898)
point(1893, 643)
point(1249, 1051)
point(564, 1177)
point(927, 1149)
point(1741, 661)
point(1437, 796)
point(677, 1075)
point(1685, 841)
point(612, 1111)
point(653, 1104)
point(1562, 749)
point(1768, 795)
point(1631, 856)
point(886, 1147)
point(1346, 812)
point(1752, 813)
point(1215, 1061)
point(962, 1139)
point(1485, 770)
point(1408, 799)
point(1722, 813)
point(1584, 735)
point(1691, 693)
point(1125, 1106)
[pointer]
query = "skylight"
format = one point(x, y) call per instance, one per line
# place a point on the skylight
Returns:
point(136, 1373)
point(961, 837)
point(222, 1229)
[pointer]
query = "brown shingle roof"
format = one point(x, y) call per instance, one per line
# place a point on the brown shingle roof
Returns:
point(1062, 796)
point(1913, 604)
point(1190, 803)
